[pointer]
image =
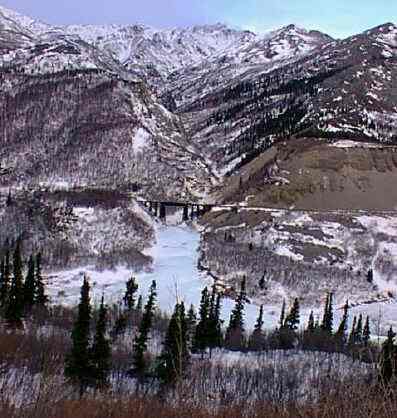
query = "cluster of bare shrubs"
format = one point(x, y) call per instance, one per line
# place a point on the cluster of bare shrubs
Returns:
point(264, 383)
point(352, 402)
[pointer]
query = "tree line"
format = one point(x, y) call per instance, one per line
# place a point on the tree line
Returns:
point(192, 336)
point(19, 294)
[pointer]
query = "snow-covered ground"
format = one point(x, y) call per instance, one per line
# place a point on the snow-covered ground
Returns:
point(175, 256)
point(174, 268)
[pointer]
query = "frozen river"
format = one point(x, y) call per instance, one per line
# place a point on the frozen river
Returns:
point(175, 270)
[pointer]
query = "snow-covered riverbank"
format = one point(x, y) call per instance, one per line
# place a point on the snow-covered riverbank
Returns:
point(175, 256)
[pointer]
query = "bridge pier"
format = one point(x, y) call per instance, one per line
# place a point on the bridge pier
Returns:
point(163, 213)
point(185, 215)
point(189, 210)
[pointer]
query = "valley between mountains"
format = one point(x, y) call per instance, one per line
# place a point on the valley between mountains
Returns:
point(289, 136)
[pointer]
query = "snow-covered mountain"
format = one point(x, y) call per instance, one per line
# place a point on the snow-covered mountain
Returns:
point(232, 93)
point(158, 53)
point(162, 51)
point(67, 105)
point(285, 43)
point(9, 19)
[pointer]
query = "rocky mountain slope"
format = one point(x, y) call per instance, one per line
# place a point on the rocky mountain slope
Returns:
point(338, 89)
point(73, 114)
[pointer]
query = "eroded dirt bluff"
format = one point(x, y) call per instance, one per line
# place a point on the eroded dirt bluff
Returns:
point(319, 175)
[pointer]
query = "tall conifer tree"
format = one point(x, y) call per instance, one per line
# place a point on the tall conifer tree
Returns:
point(340, 336)
point(358, 336)
point(388, 359)
point(352, 335)
point(100, 353)
point(327, 323)
point(257, 338)
point(41, 296)
point(235, 333)
point(366, 333)
point(140, 343)
point(175, 356)
point(130, 294)
point(214, 320)
point(292, 320)
point(201, 339)
point(191, 325)
point(78, 366)
point(310, 324)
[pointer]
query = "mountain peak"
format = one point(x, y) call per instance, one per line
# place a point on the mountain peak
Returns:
point(300, 31)
point(385, 28)
point(293, 27)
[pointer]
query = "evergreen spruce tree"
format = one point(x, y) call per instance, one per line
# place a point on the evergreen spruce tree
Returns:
point(100, 353)
point(388, 359)
point(30, 286)
point(139, 304)
point(358, 336)
point(214, 321)
point(175, 356)
point(41, 297)
point(366, 333)
point(140, 343)
point(308, 335)
point(130, 294)
point(340, 336)
point(330, 316)
point(201, 338)
point(327, 323)
point(77, 365)
point(15, 306)
point(310, 324)
point(257, 338)
point(287, 333)
point(292, 320)
point(352, 335)
point(191, 325)
point(282, 316)
point(235, 333)
point(5, 282)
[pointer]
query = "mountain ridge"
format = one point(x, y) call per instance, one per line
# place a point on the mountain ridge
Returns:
point(233, 92)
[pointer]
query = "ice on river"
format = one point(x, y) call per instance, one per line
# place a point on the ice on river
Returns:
point(175, 270)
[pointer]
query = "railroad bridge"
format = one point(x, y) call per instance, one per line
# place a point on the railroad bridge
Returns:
point(191, 210)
